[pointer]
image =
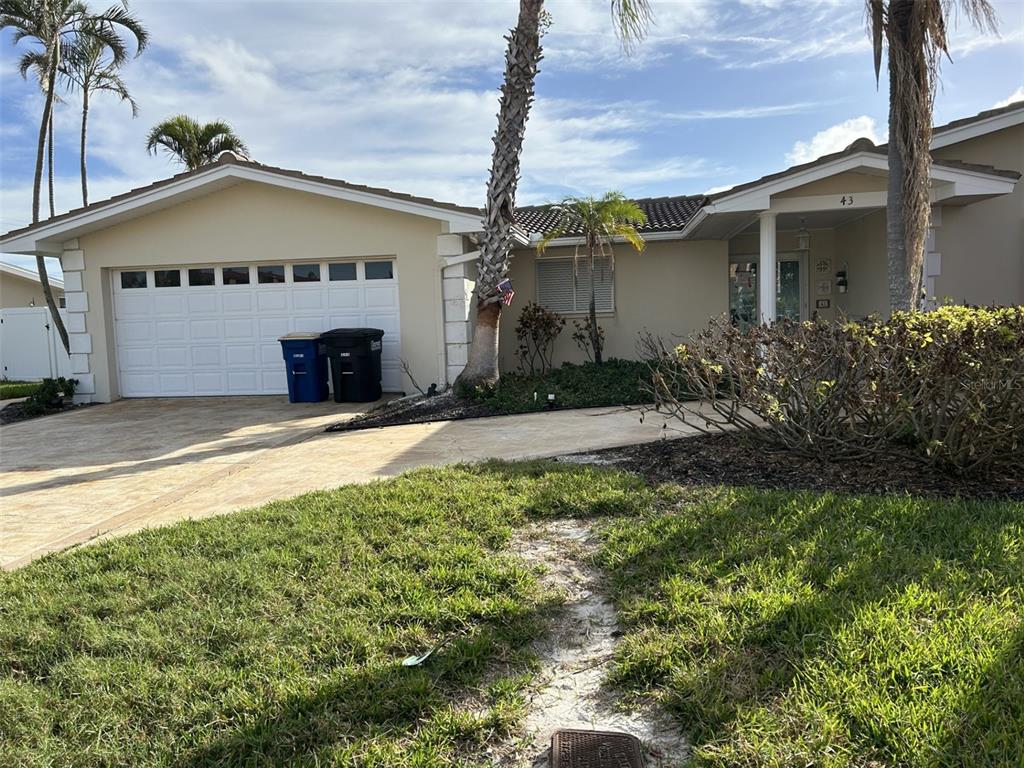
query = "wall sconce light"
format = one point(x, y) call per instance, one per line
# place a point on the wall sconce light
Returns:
point(803, 238)
point(841, 282)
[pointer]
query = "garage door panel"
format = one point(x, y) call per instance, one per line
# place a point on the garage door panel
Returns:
point(381, 297)
point(273, 300)
point(305, 300)
point(204, 301)
point(205, 330)
point(172, 357)
point(241, 355)
point(174, 384)
point(207, 356)
point(171, 330)
point(223, 339)
point(168, 305)
point(208, 383)
point(138, 358)
point(234, 300)
point(344, 298)
point(274, 327)
point(132, 304)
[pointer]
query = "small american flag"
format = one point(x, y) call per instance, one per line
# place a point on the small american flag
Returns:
point(507, 294)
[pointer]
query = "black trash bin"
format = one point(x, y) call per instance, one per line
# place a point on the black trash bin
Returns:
point(354, 358)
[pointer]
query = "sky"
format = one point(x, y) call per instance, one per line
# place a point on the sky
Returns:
point(404, 95)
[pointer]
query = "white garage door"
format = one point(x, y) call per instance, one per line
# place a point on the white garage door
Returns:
point(213, 330)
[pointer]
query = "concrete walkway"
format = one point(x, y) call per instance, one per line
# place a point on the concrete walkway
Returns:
point(112, 469)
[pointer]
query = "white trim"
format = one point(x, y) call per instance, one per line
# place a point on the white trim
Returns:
point(978, 128)
point(29, 242)
point(29, 274)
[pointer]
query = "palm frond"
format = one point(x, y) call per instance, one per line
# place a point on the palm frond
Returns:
point(631, 19)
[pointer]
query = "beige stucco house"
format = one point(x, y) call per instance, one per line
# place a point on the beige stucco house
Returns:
point(20, 287)
point(182, 288)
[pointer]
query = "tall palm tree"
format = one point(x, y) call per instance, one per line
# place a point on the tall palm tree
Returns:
point(599, 221)
point(91, 70)
point(913, 32)
point(194, 143)
point(37, 62)
point(522, 57)
point(55, 27)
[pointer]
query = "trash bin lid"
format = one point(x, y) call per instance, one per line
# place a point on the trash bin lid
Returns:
point(353, 333)
point(299, 336)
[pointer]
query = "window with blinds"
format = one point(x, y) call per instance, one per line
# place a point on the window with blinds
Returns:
point(565, 287)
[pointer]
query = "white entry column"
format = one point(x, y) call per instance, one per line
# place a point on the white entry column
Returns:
point(767, 268)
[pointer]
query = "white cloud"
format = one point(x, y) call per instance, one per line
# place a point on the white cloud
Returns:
point(833, 139)
point(1017, 95)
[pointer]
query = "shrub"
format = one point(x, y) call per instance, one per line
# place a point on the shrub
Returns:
point(945, 387)
point(49, 396)
point(591, 343)
point(536, 331)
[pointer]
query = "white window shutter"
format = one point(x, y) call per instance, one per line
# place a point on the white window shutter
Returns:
point(555, 284)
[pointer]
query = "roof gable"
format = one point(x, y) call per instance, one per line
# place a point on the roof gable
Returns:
point(47, 236)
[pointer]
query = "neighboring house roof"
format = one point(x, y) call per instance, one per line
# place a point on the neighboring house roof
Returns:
point(28, 274)
point(664, 214)
point(226, 170)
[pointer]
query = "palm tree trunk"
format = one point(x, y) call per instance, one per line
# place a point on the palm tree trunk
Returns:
point(595, 333)
point(896, 225)
point(521, 60)
point(37, 182)
point(81, 150)
point(49, 164)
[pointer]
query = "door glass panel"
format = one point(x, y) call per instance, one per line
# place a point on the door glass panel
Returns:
point(743, 293)
point(133, 279)
point(167, 278)
point(346, 271)
point(788, 291)
point(270, 274)
point(379, 270)
point(235, 275)
point(201, 276)
point(306, 273)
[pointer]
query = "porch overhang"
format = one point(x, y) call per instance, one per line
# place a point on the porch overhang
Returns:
point(737, 210)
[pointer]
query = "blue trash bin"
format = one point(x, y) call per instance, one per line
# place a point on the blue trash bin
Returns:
point(306, 367)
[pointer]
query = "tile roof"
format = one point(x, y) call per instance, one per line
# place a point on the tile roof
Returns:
point(228, 158)
point(1011, 107)
point(664, 214)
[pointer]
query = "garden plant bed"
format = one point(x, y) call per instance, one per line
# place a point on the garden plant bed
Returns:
point(15, 412)
point(615, 383)
point(731, 459)
point(9, 390)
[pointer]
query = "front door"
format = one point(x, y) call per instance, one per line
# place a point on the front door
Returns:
point(790, 290)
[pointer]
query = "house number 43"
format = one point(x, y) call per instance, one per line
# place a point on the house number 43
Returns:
point(846, 200)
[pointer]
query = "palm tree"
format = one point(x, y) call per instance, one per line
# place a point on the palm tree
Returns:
point(522, 57)
point(92, 70)
point(56, 27)
point(599, 221)
point(914, 34)
point(37, 62)
point(194, 143)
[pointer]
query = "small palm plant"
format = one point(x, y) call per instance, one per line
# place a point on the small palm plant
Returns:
point(193, 143)
point(599, 222)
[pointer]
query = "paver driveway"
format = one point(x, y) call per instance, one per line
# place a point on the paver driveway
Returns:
point(111, 469)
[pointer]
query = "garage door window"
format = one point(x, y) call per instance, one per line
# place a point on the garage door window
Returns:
point(133, 279)
point(270, 274)
point(167, 278)
point(379, 270)
point(342, 271)
point(201, 276)
point(235, 275)
point(306, 273)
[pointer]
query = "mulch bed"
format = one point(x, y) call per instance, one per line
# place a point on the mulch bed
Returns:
point(443, 407)
point(16, 412)
point(732, 460)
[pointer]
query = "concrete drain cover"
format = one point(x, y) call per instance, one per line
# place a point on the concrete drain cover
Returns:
point(595, 749)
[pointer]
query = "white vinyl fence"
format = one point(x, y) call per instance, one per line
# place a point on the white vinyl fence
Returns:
point(30, 348)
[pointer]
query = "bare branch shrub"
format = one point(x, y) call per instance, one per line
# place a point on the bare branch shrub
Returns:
point(591, 342)
point(945, 387)
point(536, 331)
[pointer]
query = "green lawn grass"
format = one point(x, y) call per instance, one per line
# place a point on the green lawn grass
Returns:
point(794, 629)
point(615, 382)
point(11, 389)
point(779, 628)
point(274, 637)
